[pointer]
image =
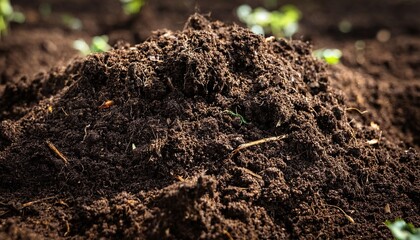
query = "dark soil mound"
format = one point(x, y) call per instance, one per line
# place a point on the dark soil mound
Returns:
point(389, 88)
point(142, 142)
point(20, 60)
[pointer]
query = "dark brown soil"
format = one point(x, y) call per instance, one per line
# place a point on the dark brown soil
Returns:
point(162, 161)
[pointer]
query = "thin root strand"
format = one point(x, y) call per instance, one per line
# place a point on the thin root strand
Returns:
point(257, 142)
point(350, 219)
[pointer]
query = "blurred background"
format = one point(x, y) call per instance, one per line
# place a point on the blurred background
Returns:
point(46, 36)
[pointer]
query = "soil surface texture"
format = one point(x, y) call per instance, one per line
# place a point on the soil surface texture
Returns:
point(208, 131)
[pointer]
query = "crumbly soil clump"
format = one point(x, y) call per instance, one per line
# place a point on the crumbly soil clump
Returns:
point(142, 142)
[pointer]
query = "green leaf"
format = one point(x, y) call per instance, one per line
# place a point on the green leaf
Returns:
point(330, 56)
point(5, 8)
point(17, 17)
point(402, 230)
point(81, 46)
point(71, 21)
point(243, 12)
point(7, 15)
point(3, 26)
point(99, 44)
point(283, 22)
point(131, 7)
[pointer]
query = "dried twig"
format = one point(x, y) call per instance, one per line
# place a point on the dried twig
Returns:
point(179, 178)
point(227, 234)
point(251, 173)
point(56, 151)
point(28, 204)
point(61, 202)
point(107, 104)
point(351, 220)
point(357, 110)
point(257, 142)
point(67, 228)
point(18, 207)
point(65, 113)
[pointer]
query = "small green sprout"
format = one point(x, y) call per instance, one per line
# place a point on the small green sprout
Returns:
point(330, 56)
point(280, 23)
point(99, 44)
point(236, 115)
point(71, 22)
point(402, 230)
point(132, 7)
point(7, 15)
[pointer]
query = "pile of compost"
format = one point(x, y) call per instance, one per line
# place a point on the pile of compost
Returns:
point(212, 132)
